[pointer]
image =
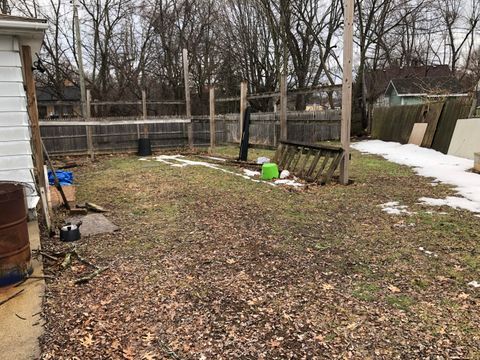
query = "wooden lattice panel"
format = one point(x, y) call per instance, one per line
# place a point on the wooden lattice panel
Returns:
point(313, 163)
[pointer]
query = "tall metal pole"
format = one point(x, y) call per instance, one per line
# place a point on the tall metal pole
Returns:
point(78, 43)
point(347, 90)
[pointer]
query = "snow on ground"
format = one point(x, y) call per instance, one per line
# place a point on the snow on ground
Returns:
point(251, 173)
point(474, 284)
point(394, 208)
point(215, 158)
point(443, 168)
point(181, 161)
point(427, 252)
point(287, 182)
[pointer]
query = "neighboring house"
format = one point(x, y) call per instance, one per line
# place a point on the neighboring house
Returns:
point(53, 105)
point(413, 91)
point(377, 81)
point(15, 150)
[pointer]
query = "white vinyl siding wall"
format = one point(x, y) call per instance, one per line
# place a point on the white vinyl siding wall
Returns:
point(15, 152)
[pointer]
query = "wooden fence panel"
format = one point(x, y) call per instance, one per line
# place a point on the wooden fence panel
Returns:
point(395, 123)
point(453, 110)
point(68, 139)
point(117, 137)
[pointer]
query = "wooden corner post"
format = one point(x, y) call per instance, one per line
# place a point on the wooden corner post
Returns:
point(283, 108)
point(347, 90)
point(33, 115)
point(213, 129)
point(188, 103)
point(243, 106)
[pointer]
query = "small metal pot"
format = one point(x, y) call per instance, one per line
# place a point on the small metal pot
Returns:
point(70, 232)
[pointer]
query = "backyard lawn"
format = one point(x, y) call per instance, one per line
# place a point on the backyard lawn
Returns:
point(208, 265)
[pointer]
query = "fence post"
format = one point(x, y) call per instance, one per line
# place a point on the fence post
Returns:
point(188, 104)
point(144, 113)
point(347, 90)
point(283, 108)
point(243, 106)
point(88, 129)
point(213, 131)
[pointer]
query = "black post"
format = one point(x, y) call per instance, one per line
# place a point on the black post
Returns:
point(245, 136)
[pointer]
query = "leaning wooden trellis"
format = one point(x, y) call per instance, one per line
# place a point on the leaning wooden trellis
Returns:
point(313, 163)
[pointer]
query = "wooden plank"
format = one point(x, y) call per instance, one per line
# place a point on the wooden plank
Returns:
point(305, 162)
point(316, 89)
point(213, 131)
point(283, 108)
point(313, 165)
point(291, 155)
point(311, 146)
point(278, 153)
point(333, 167)
point(418, 133)
point(90, 148)
point(347, 89)
point(119, 102)
point(112, 123)
point(88, 129)
point(243, 106)
point(188, 102)
point(327, 157)
point(144, 113)
point(296, 160)
point(434, 110)
point(32, 108)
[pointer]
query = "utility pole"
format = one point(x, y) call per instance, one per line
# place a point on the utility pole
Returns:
point(78, 42)
point(347, 90)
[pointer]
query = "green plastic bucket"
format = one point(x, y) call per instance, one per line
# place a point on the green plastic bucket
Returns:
point(269, 171)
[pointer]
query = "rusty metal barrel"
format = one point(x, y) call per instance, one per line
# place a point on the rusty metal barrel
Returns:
point(14, 241)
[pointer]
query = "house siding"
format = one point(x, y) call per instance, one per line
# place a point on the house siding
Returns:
point(15, 151)
point(412, 100)
point(395, 99)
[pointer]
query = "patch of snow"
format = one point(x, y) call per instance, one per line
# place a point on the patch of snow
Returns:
point(214, 158)
point(144, 159)
point(427, 252)
point(284, 174)
point(287, 182)
point(394, 208)
point(452, 201)
point(475, 284)
point(443, 168)
point(251, 173)
point(180, 161)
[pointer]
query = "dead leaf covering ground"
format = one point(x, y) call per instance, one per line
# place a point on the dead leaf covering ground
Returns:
point(208, 266)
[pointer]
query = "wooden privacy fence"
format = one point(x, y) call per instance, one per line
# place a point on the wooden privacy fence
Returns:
point(395, 123)
point(106, 136)
point(62, 137)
